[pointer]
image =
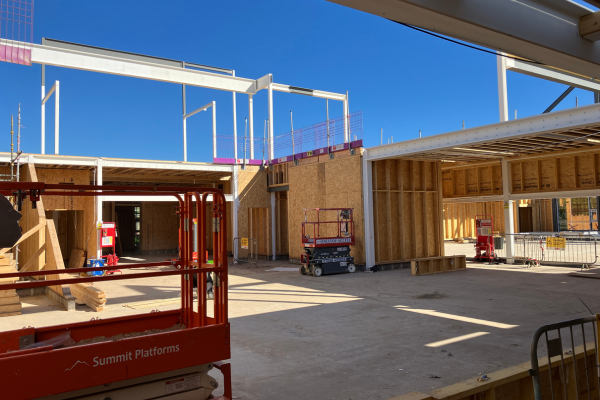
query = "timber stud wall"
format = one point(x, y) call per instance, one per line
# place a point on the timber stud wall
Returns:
point(407, 210)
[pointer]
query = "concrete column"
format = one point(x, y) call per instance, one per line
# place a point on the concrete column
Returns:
point(509, 225)
point(367, 172)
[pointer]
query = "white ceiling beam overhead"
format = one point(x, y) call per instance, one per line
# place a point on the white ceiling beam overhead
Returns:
point(546, 31)
point(573, 118)
point(93, 62)
point(553, 74)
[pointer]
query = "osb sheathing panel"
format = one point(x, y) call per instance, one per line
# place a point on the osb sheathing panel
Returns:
point(565, 172)
point(159, 226)
point(31, 217)
point(333, 183)
point(80, 203)
point(252, 193)
point(484, 180)
point(407, 222)
point(459, 218)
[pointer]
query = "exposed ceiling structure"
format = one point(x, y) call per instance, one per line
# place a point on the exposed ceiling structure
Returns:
point(566, 130)
point(558, 33)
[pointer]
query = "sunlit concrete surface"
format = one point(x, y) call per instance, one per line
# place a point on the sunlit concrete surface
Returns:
point(347, 336)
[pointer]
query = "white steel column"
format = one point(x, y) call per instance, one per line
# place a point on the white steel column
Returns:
point(502, 92)
point(184, 125)
point(98, 207)
point(251, 122)
point(56, 115)
point(236, 205)
point(509, 224)
point(235, 149)
point(271, 149)
point(43, 151)
point(214, 124)
point(346, 119)
point(54, 90)
point(367, 170)
point(273, 227)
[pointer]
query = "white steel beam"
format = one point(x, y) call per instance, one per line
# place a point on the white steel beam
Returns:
point(49, 159)
point(307, 92)
point(367, 168)
point(553, 74)
point(546, 31)
point(234, 127)
point(197, 110)
point(66, 58)
point(573, 118)
point(165, 198)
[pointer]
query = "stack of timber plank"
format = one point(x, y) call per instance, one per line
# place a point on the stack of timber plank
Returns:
point(9, 299)
point(89, 295)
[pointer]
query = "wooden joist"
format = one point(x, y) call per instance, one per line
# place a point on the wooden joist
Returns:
point(89, 295)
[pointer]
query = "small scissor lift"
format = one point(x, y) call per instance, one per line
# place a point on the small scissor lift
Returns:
point(327, 251)
point(162, 355)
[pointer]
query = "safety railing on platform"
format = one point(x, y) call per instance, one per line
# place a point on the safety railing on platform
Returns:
point(302, 140)
point(582, 380)
point(565, 248)
point(247, 251)
point(317, 136)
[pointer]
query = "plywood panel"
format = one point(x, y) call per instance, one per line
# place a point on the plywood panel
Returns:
point(329, 183)
point(407, 221)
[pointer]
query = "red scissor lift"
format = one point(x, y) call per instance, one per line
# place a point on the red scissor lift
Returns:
point(76, 369)
point(484, 247)
point(327, 251)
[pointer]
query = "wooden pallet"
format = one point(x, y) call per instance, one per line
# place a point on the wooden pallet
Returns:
point(437, 265)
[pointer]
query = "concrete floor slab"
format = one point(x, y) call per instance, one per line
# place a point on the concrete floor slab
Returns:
point(363, 335)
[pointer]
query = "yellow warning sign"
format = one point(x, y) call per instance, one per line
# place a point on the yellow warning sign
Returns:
point(244, 243)
point(506, 205)
point(556, 243)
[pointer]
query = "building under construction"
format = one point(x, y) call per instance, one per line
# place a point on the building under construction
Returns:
point(521, 193)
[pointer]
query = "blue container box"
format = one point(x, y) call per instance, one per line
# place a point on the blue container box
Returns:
point(93, 263)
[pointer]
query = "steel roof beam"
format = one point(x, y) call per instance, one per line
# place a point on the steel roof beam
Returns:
point(96, 62)
point(546, 31)
point(575, 118)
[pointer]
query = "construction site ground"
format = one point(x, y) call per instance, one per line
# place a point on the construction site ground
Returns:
point(362, 335)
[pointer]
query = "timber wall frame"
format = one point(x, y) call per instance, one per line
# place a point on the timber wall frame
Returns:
point(407, 207)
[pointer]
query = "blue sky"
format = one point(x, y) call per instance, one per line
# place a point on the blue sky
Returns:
point(402, 80)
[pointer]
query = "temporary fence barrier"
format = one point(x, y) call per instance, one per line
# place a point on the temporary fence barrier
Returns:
point(247, 251)
point(580, 381)
point(563, 248)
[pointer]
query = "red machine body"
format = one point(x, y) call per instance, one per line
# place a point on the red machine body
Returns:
point(484, 247)
point(201, 339)
point(328, 233)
